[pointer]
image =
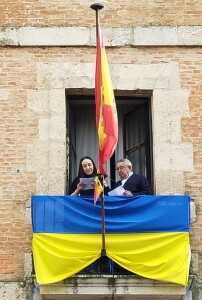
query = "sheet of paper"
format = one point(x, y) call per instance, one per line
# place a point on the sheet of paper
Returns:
point(117, 191)
point(89, 183)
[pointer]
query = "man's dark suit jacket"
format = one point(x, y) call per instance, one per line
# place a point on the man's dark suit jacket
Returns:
point(137, 184)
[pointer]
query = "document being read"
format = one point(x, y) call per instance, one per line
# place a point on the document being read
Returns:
point(88, 182)
point(117, 191)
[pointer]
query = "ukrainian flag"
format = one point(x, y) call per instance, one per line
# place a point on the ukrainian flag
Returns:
point(147, 235)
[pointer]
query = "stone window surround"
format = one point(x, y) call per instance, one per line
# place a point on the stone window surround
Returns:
point(46, 156)
point(169, 101)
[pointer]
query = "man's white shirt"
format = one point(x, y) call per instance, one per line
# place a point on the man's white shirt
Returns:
point(119, 191)
point(124, 180)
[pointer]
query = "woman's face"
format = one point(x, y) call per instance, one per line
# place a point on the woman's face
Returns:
point(87, 166)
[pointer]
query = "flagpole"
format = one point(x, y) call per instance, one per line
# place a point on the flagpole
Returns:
point(97, 7)
point(103, 250)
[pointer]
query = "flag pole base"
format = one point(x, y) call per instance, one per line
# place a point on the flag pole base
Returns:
point(104, 262)
point(103, 252)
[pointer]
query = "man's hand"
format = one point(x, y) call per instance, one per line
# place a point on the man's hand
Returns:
point(128, 193)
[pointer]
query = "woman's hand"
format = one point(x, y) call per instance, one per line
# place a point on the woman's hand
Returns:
point(79, 187)
point(93, 184)
point(105, 183)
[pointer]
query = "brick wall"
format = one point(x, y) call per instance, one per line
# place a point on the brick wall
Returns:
point(19, 127)
point(117, 14)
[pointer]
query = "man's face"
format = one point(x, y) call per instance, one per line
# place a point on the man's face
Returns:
point(123, 170)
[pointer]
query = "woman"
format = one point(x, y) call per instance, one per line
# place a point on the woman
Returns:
point(87, 169)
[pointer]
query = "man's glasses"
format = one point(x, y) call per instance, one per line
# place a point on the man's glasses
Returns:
point(121, 168)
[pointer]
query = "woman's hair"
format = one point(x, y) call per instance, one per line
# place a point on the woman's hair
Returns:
point(81, 173)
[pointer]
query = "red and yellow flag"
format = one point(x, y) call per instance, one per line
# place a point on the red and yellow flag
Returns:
point(98, 188)
point(106, 113)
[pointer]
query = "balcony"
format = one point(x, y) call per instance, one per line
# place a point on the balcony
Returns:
point(106, 278)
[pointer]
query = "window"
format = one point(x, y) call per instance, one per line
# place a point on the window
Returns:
point(135, 138)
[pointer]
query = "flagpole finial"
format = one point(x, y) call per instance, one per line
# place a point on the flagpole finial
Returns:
point(97, 6)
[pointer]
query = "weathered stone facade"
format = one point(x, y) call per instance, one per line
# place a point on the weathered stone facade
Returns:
point(46, 50)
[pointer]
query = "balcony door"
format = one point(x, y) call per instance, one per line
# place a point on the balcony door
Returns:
point(134, 135)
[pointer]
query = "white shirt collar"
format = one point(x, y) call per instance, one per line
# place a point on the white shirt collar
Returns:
point(123, 181)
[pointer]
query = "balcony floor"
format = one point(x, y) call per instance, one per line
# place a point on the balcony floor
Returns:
point(108, 287)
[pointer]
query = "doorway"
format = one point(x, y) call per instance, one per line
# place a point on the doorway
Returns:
point(135, 134)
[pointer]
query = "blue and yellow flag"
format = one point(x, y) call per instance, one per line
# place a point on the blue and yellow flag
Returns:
point(147, 235)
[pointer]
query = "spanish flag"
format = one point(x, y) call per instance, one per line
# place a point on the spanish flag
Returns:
point(99, 188)
point(106, 113)
point(147, 235)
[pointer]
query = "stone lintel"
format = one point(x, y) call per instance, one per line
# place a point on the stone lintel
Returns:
point(112, 285)
point(113, 37)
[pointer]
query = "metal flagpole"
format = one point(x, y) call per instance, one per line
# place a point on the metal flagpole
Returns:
point(97, 7)
point(103, 250)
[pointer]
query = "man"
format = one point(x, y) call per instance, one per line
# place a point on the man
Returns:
point(133, 184)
